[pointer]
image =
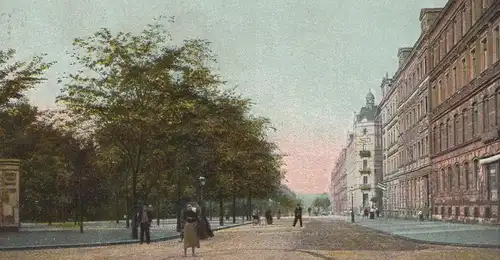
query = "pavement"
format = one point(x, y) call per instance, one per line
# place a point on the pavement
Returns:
point(95, 234)
point(437, 232)
point(320, 238)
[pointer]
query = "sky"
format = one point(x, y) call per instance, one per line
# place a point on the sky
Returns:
point(307, 65)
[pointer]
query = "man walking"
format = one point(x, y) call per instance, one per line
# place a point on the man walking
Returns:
point(298, 215)
point(144, 218)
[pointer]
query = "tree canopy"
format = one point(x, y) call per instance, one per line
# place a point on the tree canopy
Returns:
point(140, 119)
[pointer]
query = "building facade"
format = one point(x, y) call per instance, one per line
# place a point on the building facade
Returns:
point(338, 185)
point(465, 104)
point(354, 175)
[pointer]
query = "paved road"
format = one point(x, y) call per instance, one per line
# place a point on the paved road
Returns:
point(434, 231)
point(94, 232)
point(320, 238)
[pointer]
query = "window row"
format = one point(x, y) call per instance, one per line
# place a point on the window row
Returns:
point(460, 178)
point(457, 27)
point(480, 56)
point(414, 115)
point(408, 154)
point(481, 117)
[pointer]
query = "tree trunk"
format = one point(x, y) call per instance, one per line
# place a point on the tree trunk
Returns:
point(117, 210)
point(178, 206)
point(234, 208)
point(211, 210)
point(134, 205)
point(157, 212)
point(221, 212)
point(249, 205)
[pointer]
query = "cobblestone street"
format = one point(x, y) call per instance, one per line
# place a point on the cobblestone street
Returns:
point(320, 238)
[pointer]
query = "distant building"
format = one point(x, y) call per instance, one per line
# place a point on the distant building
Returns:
point(353, 178)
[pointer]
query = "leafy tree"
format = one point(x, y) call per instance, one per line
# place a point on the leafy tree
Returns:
point(321, 202)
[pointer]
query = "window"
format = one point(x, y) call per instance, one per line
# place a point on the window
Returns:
point(466, 176)
point(365, 179)
point(454, 80)
point(492, 179)
point(473, 10)
point(475, 120)
point(477, 167)
point(465, 72)
point(456, 129)
point(464, 22)
point(497, 106)
point(365, 131)
point(496, 42)
point(487, 213)
point(465, 121)
point(466, 212)
point(484, 5)
point(486, 115)
point(365, 199)
point(458, 179)
point(447, 86)
point(484, 54)
point(365, 164)
point(476, 212)
point(472, 64)
point(457, 211)
point(450, 133)
point(450, 179)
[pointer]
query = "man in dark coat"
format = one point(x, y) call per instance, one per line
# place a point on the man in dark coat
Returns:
point(144, 219)
point(298, 215)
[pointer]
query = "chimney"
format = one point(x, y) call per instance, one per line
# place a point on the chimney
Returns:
point(428, 17)
point(403, 54)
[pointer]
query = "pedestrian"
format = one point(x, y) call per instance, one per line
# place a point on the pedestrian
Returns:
point(298, 215)
point(278, 214)
point(309, 211)
point(204, 230)
point(372, 213)
point(366, 212)
point(144, 218)
point(378, 212)
point(269, 217)
point(191, 221)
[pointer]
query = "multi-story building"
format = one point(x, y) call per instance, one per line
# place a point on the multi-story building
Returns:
point(465, 110)
point(338, 188)
point(356, 168)
point(404, 115)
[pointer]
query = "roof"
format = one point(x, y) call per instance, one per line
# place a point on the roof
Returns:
point(367, 112)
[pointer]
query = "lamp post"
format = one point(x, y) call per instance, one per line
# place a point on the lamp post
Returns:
point(201, 182)
point(352, 205)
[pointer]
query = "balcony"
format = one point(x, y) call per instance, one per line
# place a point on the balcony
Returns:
point(365, 153)
point(365, 186)
point(365, 171)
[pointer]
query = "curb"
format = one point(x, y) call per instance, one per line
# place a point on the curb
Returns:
point(98, 244)
point(420, 241)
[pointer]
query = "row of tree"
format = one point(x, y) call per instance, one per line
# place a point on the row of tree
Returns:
point(139, 121)
point(321, 203)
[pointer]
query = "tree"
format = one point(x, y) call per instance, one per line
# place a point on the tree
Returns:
point(321, 202)
point(16, 77)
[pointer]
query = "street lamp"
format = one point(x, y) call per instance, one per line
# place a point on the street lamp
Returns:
point(352, 204)
point(201, 181)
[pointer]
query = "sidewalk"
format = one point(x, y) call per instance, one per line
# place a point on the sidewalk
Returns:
point(94, 235)
point(436, 232)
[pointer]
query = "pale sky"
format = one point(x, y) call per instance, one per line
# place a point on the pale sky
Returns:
point(306, 64)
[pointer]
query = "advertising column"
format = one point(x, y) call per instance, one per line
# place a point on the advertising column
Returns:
point(9, 195)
